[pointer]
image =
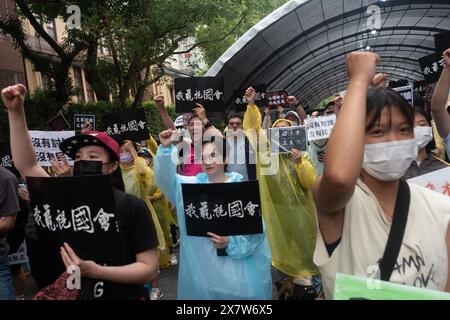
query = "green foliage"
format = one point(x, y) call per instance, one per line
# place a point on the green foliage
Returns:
point(40, 107)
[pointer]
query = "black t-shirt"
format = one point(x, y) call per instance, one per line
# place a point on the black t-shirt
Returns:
point(9, 203)
point(138, 234)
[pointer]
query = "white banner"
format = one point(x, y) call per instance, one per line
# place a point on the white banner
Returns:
point(46, 145)
point(320, 127)
point(438, 181)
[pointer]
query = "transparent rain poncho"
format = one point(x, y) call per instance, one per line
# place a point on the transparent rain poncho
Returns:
point(287, 202)
point(203, 275)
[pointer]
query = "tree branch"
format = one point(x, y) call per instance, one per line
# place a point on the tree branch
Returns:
point(37, 26)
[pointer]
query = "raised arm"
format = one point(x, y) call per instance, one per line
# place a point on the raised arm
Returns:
point(22, 149)
point(252, 117)
point(439, 101)
point(167, 120)
point(165, 168)
point(345, 148)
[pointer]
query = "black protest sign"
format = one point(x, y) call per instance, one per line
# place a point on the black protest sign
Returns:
point(432, 67)
point(420, 87)
point(127, 125)
point(208, 91)
point(407, 93)
point(58, 123)
point(240, 100)
point(80, 211)
point(226, 209)
point(277, 98)
point(282, 140)
point(80, 119)
point(442, 43)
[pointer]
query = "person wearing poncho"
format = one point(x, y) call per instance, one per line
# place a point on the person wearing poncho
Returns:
point(244, 270)
point(287, 203)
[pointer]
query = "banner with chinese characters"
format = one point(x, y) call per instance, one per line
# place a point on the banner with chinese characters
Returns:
point(240, 100)
point(283, 140)
point(80, 211)
point(80, 119)
point(19, 257)
point(432, 67)
point(407, 93)
point(46, 145)
point(128, 125)
point(226, 209)
point(320, 127)
point(208, 91)
point(277, 98)
point(420, 87)
point(348, 287)
point(438, 181)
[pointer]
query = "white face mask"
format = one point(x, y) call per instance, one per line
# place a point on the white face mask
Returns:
point(423, 136)
point(389, 160)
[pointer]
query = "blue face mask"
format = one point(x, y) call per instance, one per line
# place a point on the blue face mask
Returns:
point(125, 157)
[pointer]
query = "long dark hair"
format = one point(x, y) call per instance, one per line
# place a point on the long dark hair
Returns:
point(380, 98)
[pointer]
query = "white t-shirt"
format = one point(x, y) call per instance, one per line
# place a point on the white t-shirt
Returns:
point(422, 261)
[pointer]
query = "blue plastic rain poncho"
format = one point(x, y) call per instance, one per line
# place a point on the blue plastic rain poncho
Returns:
point(244, 274)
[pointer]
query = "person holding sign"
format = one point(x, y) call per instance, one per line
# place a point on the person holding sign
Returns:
point(372, 223)
point(438, 103)
point(94, 153)
point(242, 271)
point(288, 208)
point(425, 162)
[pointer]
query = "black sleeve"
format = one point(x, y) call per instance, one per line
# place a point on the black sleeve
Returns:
point(142, 229)
point(9, 195)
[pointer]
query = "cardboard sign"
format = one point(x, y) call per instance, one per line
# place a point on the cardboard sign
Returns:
point(80, 119)
point(320, 127)
point(407, 93)
point(226, 209)
point(208, 91)
point(438, 181)
point(58, 123)
point(442, 43)
point(432, 67)
point(80, 211)
point(282, 140)
point(277, 98)
point(128, 125)
point(349, 287)
point(46, 145)
point(19, 257)
point(240, 100)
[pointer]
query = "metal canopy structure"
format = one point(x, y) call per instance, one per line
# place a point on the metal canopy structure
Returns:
point(301, 46)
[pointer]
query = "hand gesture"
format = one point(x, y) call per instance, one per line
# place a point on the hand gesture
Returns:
point(13, 97)
point(361, 66)
point(250, 94)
